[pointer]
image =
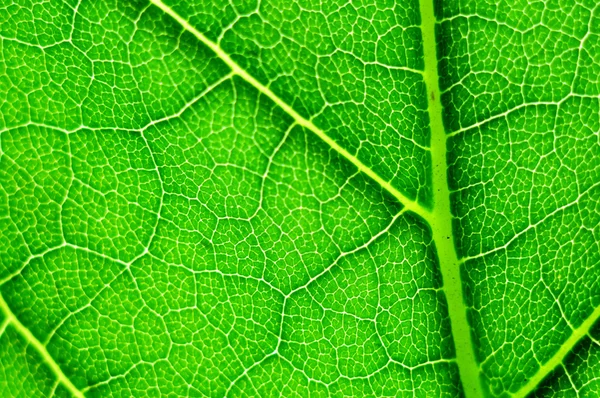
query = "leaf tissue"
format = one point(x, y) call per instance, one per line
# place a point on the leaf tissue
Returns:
point(265, 198)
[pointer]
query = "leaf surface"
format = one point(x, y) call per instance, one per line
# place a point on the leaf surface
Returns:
point(266, 198)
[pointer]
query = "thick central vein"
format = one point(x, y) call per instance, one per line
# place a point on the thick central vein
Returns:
point(408, 203)
point(441, 220)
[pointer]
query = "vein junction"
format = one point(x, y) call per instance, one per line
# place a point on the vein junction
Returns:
point(439, 220)
point(165, 238)
point(408, 203)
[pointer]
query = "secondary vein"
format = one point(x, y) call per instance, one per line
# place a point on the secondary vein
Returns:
point(39, 347)
point(441, 220)
point(558, 358)
point(408, 203)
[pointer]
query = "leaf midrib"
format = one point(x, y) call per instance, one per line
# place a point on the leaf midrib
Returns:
point(439, 218)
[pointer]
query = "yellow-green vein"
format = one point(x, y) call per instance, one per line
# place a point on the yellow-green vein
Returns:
point(441, 219)
point(560, 355)
point(410, 204)
point(41, 349)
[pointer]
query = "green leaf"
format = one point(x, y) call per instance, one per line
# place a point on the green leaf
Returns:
point(299, 198)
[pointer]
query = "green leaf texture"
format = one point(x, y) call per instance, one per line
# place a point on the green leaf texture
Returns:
point(268, 198)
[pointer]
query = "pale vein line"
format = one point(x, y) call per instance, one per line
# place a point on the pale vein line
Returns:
point(31, 339)
point(506, 113)
point(3, 326)
point(533, 226)
point(441, 220)
point(340, 257)
point(189, 104)
point(305, 286)
point(406, 202)
point(560, 355)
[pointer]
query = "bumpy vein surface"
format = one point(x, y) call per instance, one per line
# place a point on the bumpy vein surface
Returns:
point(243, 198)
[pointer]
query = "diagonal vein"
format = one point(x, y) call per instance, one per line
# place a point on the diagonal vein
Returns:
point(39, 347)
point(587, 191)
point(408, 203)
point(439, 219)
point(558, 358)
